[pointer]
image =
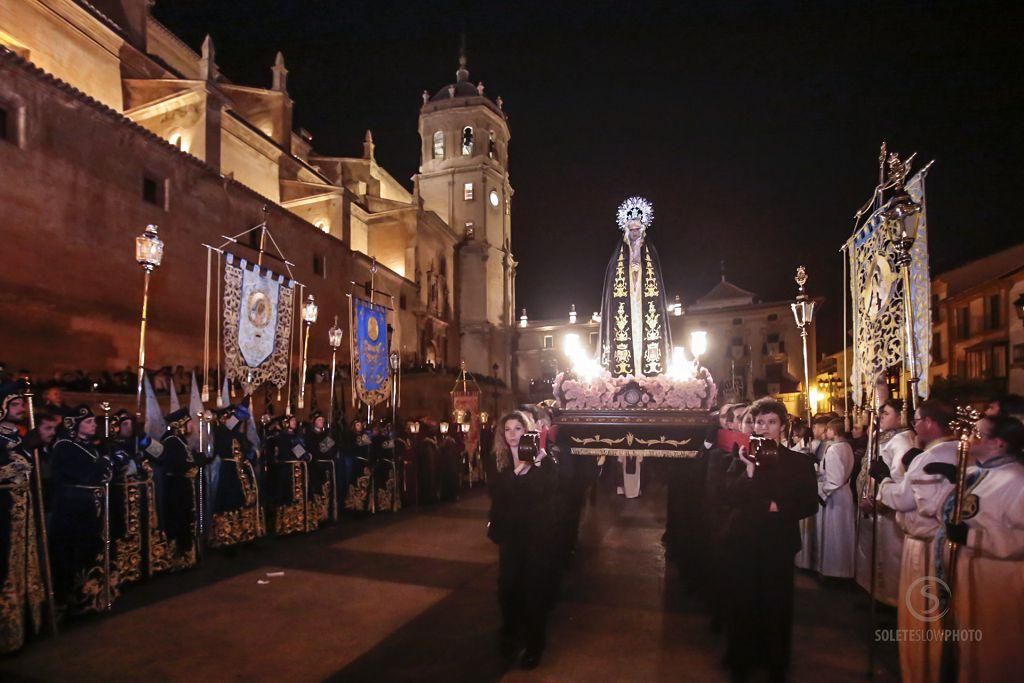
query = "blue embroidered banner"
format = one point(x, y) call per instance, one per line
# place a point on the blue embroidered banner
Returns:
point(372, 372)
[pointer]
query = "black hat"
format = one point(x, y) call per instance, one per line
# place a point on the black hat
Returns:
point(75, 417)
point(314, 415)
point(179, 415)
point(8, 392)
point(123, 416)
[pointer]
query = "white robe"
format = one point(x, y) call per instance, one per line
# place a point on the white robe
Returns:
point(631, 482)
point(807, 558)
point(988, 592)
point(835, 519)
point(917, 499)
point(890, 536)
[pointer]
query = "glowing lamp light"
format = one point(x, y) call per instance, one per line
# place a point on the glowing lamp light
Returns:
point(698, 343)
point(149, 248)
point(335, 334)
point(413, 427)
point(310, 310)
point(681, 368)
point(572, 314)
point(464, 427)
point(816, 397)
point(571, 345)
point(443, 427)
point(459, 415)
point(523, 319)
point(484, 416)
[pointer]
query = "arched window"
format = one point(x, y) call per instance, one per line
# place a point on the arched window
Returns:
point(439, 145)
point(492, 147)
point(467, 141)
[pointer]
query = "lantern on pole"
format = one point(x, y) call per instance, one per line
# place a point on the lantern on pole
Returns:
point(149, 253)
point(310, 311)
point(803, 314)
point(334, 335)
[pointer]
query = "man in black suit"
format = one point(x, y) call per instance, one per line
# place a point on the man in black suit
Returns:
point(766, 494)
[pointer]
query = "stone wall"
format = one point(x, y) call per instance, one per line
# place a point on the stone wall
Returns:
point(71, 188)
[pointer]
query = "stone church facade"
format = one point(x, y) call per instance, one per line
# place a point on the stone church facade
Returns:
point(108, 122)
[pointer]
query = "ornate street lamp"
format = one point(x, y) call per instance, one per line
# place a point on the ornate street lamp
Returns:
point(149, 252)
point(803, 314)
point(309, 314)
point(334, 336)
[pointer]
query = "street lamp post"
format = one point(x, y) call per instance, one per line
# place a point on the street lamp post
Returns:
point(309, 314)
point(149, 252)
point(334, 336)
point(803, 314)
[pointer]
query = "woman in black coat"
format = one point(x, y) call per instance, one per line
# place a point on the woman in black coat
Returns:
point(523, 524)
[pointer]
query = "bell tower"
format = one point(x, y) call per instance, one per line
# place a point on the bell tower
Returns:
point(463, 177)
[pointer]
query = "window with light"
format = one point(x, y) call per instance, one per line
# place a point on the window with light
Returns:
point(439, 145)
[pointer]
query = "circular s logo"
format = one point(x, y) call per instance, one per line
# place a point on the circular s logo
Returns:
point(927, 598)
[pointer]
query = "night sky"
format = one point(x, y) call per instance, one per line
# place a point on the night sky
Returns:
point(753, 127)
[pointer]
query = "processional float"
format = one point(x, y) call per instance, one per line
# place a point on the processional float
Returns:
point(638, 396)
point(886, 266)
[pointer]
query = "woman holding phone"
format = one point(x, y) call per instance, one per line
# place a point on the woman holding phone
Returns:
point(523, 523)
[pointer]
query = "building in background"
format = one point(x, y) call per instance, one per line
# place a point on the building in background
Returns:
point(977, 334)
point(110, 123)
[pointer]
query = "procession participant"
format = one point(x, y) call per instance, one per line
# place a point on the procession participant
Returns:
point(766, 494)
point(131, 498)
point(289, 480)
point(719, 460)
point(79, 524)
point(808, 557)
point(522, 522)
point(53, 402)
point(22, 592)
point(175, 542)
point(237, 510)
point(357, 467)
point(989, 588)
point(836, 517)
point(323, 479)
point(917, 500)
point(894, 442)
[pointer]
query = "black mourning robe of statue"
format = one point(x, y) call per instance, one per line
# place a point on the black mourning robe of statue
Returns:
point(79, 477)
point(237, 508)
point(21, 587)
point(634, 334)
point(175, 543)
point(289, 484)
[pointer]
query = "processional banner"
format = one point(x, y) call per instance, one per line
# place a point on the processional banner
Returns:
point(880, 304)
point(257, 324)
point(371, 372)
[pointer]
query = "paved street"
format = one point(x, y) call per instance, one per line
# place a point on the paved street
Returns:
point(412, 597)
